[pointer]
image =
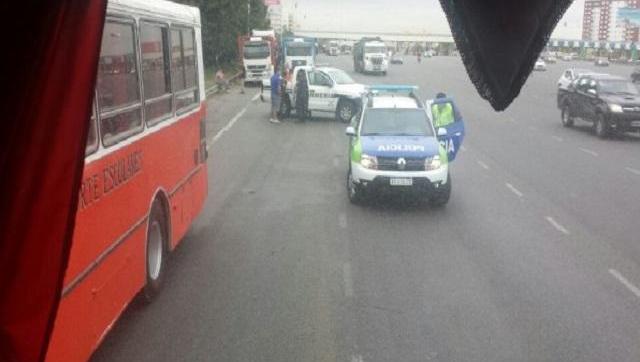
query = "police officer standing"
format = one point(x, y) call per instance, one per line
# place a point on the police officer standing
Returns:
point(302, 96)
point(442, 112)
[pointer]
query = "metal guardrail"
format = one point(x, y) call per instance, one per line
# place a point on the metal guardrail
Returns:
point(215, 88)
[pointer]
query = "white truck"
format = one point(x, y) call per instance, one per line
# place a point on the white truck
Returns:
point(331, 92)
point(258, 55)
point(370, 56)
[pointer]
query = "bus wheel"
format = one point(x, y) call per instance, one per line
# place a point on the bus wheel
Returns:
point(156, 251)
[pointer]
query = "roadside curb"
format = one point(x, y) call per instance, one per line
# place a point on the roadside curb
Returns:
point(215, 89)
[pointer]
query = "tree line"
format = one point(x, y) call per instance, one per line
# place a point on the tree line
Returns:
point(222, 22)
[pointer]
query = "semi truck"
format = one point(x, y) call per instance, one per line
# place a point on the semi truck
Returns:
point(370, 56)
point(298, 51)
point(257, 53)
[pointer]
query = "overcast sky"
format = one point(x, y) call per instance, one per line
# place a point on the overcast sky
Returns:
point(412, 16)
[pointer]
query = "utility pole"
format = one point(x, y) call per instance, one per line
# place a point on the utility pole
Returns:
point(249, 17)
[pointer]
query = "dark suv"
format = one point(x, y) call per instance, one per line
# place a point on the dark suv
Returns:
point(610, 103)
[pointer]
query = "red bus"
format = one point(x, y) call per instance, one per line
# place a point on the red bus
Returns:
point(145, 177)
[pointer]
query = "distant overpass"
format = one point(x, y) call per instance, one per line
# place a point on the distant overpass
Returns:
point(399, 36)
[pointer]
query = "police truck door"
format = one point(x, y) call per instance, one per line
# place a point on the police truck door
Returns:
point(320, 91)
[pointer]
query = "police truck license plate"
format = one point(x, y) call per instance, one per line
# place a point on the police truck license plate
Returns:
point(401, 181)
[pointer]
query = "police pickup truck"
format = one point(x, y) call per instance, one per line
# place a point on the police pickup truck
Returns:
point(331, 92)
point(395, 147)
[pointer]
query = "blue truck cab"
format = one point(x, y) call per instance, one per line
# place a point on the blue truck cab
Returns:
point(394, 146)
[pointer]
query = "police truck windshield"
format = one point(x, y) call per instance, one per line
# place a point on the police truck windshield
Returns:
point(299, 51)
point(340, 77)
point(396, 122)
point(256, 51)
point(375, 49)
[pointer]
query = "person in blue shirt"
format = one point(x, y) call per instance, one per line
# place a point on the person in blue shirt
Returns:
point(276, 95)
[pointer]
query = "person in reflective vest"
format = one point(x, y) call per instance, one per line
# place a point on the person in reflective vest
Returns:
point(442, 112)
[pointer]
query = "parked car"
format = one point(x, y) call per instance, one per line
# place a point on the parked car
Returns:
point(397, 59)
point(567, 57)
point(610, 103)
point(550, 59)
point(601, 62)
point(540, 65)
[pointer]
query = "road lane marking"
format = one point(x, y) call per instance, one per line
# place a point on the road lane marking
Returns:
point(559, 139)
point(557, 225)
point(588, 151)
point(348, 281)
point(227, 127)
point(513, 189)
point(255, 98)
point(616, 274)
point(633, 170)
point(483, 165)
point(342, 220)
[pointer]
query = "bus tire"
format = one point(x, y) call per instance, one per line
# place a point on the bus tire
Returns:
point(156, 251)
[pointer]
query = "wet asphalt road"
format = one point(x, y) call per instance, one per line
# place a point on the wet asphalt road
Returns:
point(536, 257)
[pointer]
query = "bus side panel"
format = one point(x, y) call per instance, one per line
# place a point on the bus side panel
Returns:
point(86, 315)
point(109, 245)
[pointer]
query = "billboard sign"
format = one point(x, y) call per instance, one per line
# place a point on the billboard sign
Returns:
point(630, 15)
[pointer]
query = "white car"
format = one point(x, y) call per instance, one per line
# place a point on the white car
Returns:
point(567, 57)
point(540, 65)
point(331, 91)
point(569, 76)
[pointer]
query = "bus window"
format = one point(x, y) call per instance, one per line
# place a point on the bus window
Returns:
point(92, 137)
point(184, 72)
point(118, 84)
point(155, 72)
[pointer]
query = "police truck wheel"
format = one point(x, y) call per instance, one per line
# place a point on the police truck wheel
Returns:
point(567, 120)
point(600, 126)
point(442, 194)
point(157, 237)
point(354, 191)
point(346, 111)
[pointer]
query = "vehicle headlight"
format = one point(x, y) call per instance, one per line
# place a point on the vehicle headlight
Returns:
point(615, 108)
point(370, 162)
point(432, 163)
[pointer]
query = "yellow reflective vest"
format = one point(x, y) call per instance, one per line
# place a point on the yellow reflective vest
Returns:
point(442, 114)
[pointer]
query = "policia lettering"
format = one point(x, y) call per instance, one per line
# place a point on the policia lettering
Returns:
point(112, 176)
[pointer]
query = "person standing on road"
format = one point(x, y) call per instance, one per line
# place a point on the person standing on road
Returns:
point(442, 112)
point(276, 95)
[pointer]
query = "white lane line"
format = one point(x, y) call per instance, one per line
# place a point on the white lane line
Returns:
point(342, 220)
point(557, 225)
point(483, 165)
point(255, 98)
point(513, 189)
point(633, 170)
point(227, 127)
point(348, 281)
point(616, 274)
point(588, 151)
point(559, 139)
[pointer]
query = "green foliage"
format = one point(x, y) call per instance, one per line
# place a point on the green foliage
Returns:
point(222, 22)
